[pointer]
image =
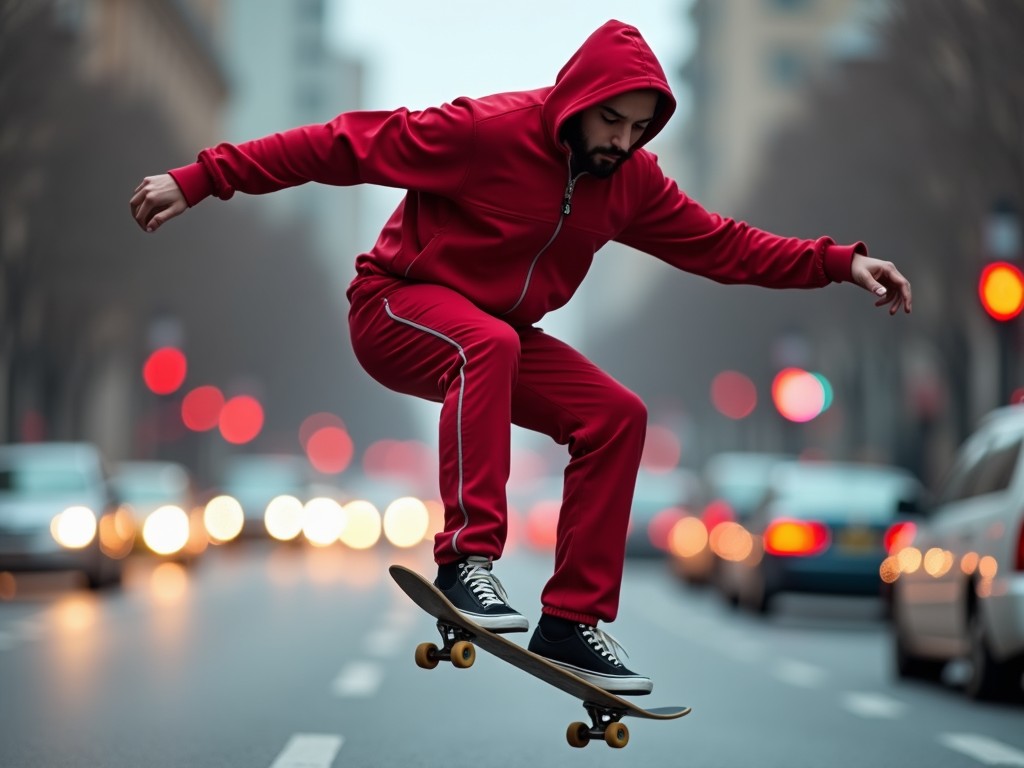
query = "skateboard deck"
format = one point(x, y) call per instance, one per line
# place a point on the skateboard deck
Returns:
point(459, 635)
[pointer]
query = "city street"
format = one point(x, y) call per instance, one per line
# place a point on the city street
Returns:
point(286, 657)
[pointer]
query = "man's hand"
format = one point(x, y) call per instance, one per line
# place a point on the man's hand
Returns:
point(156, 200)
point(884, 280)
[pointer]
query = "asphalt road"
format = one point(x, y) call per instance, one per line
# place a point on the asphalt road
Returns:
point(286, 657)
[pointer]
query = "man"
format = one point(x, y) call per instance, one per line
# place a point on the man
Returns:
point(508, 198)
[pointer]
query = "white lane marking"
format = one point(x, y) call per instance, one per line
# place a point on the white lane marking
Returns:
point(798, 673)
point(309, 750)
point(983, 749)
point(873, 705)
point(360, 678)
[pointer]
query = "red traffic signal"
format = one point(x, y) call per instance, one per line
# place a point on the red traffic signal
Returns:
point(1001, 290)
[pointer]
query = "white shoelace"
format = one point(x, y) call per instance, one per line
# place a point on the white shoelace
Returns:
point(604, 644)
point(476, 574)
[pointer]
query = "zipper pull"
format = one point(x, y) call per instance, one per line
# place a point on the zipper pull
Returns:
point(566, 204)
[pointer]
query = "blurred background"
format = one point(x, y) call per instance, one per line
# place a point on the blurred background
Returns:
point(895, 123)
point(853, 481)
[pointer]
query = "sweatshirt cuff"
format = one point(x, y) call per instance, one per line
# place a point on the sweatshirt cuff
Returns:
point(838, 261)
point(194, 182)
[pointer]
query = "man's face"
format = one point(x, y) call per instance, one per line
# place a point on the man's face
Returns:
point(603, 135)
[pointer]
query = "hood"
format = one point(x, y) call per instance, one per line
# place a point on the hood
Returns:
point(613, 60)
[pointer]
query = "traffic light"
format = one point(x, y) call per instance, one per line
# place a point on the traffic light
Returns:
point(1001, 290)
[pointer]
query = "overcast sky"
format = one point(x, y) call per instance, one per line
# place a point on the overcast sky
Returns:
point(420, 54)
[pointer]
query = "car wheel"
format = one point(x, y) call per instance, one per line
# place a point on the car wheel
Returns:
point(990, 680)
point(758, 597)
point(106, 575)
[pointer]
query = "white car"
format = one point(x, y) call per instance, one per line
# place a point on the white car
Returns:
point(57, 512)
point(958, 585)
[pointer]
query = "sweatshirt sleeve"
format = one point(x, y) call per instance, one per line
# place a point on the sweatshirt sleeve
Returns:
point(427, 151)
point(678, 230)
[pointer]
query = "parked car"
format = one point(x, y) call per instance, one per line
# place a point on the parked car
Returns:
point(659, 501)
point(58, 512)
point(162, 498)
point(733, 483)
point(958, 586)
point(822, 527)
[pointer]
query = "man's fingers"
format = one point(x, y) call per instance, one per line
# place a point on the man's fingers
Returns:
point(158, 218)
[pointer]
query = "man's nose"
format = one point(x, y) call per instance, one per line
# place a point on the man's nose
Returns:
point(620, 139)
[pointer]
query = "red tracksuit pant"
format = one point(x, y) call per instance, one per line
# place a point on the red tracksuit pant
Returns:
point(428, 341)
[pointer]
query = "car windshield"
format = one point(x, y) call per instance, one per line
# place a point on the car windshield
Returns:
point(264, 475)
point(870, 496)
point(151, 485)
point(742, 494)
point(41, 481)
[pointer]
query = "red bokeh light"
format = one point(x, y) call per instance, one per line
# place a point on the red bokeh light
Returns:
point(733, 394)
point(241, 419)
point(409, 458)
point(164, 370)
point(329, 450)
point(200, 409)
point(662, 450)
point(316, 421)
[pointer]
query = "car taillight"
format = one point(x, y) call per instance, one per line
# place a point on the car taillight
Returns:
point(898, 536)
point(796, 538)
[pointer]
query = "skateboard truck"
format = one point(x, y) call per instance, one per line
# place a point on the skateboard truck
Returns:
point(605, 726)
point(456, 647)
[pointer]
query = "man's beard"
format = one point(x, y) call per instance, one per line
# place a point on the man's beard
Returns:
point(588, 161)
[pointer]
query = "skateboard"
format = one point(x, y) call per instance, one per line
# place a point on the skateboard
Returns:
point(460, 636)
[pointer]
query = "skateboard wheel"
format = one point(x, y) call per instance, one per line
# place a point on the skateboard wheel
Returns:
point(616, 735)
point(463, 654)
point(426, 655)
point(578, 735)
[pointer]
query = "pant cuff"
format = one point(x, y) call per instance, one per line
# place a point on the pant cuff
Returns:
point(582, 618)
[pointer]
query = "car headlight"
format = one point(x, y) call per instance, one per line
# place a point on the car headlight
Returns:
point(166, 530)
point(74, 528)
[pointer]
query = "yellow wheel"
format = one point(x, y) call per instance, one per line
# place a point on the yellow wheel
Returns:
point(463, 654)
point(616, 735)
point(426, 655)
point(578, 735)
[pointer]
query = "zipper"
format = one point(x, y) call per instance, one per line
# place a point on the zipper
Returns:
point(566, 210)
point(567, 200)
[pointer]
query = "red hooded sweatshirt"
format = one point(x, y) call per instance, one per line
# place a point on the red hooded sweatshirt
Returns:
point(492, 210)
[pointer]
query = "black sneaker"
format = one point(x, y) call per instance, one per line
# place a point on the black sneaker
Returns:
point(588, 652)
point(479, 596)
